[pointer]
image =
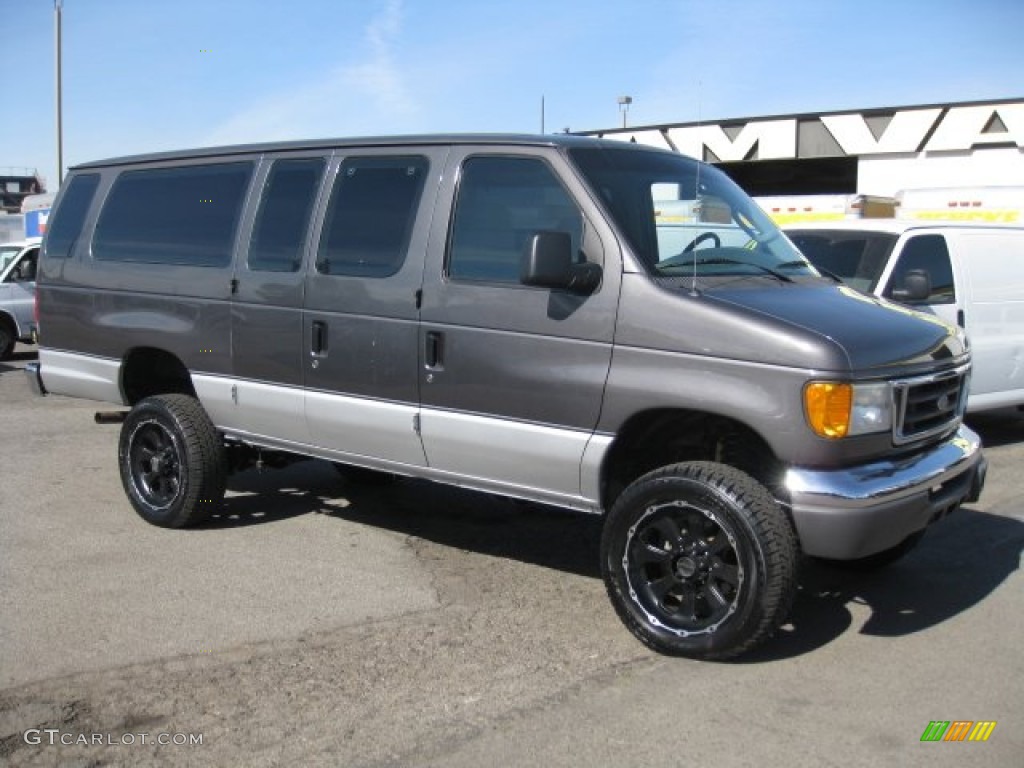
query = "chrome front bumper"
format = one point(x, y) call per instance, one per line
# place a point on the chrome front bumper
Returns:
point(858, 511)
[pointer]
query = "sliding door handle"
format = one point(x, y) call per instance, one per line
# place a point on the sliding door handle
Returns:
point(434, 352)
point(318, 339)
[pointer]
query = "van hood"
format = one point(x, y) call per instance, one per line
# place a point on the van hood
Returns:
point(872, 332)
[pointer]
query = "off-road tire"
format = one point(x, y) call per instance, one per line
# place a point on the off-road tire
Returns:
point(172, 461)
point(699, 560)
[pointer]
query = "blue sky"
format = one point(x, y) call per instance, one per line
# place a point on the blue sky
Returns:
point(147, 75)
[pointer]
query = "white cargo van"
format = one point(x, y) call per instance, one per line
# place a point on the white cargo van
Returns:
point(967, 274)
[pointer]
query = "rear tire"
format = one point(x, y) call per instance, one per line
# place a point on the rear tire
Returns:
point(699, 560)
point(172, 460)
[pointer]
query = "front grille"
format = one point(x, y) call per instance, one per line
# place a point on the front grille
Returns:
point(930, 404)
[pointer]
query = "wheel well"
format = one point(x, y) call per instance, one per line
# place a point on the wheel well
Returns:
point(658, 438)
point(147, 371)
point(8, 322)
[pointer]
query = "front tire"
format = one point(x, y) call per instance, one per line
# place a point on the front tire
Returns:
point(172, 460)
point(699, 560)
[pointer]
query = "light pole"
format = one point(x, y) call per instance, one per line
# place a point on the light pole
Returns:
point(57, 6)
point(624, 102)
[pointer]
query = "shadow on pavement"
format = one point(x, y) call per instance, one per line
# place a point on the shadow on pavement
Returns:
point(23, 355)
point(996, 428)
point(452, 517)
point(957, 565)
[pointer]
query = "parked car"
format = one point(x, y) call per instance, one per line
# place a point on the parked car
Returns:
point(18, 263)
point(969, 275)
point(508, 313)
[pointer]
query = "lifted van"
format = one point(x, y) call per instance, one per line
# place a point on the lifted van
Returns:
point(969, 275)
point(508, 313)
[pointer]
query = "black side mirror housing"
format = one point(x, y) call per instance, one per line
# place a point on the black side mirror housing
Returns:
point(548, 263)
point(917, 286)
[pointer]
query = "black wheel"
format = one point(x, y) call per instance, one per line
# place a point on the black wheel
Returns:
point(172, 460)
point(878, 560)
point(7, 340)
point(699, 560)
point(364, 475)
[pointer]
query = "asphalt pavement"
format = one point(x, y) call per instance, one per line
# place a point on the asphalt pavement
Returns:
point(320, 622)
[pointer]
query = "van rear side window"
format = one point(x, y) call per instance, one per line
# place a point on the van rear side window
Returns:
point(370, 216)
point(184, 216)
point(283, 219)
point(68, 219)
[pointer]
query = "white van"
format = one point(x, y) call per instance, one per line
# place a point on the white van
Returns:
point(970, 275)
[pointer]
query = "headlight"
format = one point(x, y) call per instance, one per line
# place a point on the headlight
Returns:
point(837, 409)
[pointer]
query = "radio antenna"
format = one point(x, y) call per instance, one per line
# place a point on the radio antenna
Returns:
point(696, 190)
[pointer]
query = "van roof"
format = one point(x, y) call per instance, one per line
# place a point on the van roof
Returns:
point(895, 226)
point(483, 139)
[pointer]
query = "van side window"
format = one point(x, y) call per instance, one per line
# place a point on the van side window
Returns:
point(67, 221)
point(186, 215)
point(370, 216)
point(283, 218)
point(930, 254)
point(502, 202)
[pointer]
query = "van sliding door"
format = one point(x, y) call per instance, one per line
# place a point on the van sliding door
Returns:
point(361, 318)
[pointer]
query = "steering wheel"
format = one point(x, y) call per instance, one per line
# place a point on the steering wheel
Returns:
point(703, 237)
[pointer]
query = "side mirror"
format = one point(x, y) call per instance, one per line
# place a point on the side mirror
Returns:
point(917, 286)
point(548, 263)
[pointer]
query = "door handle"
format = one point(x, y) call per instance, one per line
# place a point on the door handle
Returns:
point(318, 346)
point(434, 352)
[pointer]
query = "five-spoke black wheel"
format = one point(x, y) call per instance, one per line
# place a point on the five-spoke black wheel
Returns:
point(172, 461)
point(699, 560)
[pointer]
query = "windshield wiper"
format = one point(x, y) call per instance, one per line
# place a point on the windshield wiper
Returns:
point(719, 260)
point(801, 263)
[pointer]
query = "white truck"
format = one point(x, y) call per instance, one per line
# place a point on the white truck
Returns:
point(986, 205)
point(794, 209)
point(18, 262)
point(970, 275)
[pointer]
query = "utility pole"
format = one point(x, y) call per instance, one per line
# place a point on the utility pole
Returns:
point(57, 6)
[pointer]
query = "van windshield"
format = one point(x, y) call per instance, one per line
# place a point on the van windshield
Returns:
point(682, 217)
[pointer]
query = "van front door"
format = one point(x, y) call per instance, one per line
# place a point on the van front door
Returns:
point(512, 376)
point(360, 325)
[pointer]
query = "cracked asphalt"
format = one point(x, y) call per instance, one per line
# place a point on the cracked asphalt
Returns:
point(321, 622)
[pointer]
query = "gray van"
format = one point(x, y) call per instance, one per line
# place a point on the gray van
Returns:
point(590, 324)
